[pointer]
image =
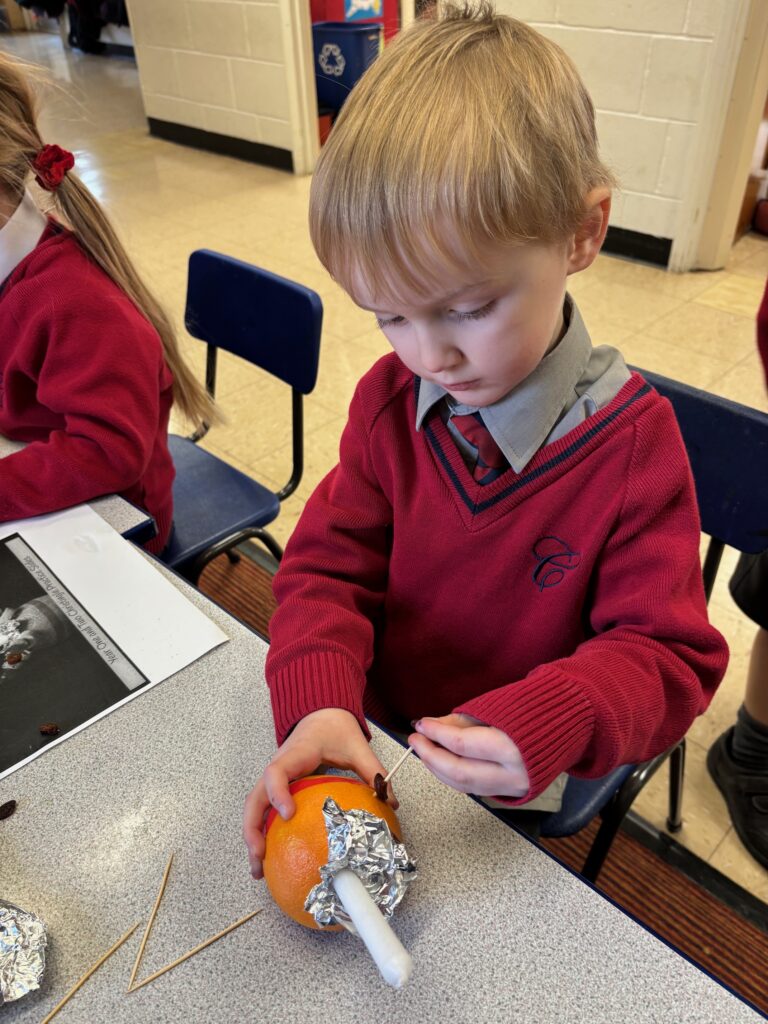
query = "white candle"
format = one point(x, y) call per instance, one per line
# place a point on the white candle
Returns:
point(388, 952)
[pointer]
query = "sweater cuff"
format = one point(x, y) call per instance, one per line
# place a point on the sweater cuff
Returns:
point(317, 681)
point(547, 716)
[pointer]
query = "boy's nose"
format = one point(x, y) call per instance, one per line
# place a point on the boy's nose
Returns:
point(436, 352)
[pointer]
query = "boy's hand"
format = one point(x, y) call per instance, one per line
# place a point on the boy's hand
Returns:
point(330, 736)
point(470, 757)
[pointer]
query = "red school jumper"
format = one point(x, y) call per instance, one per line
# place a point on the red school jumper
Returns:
point(84, 380)
point(563, 605)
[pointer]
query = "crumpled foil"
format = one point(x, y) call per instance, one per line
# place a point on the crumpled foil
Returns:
point(22, 952)
point(362, 842)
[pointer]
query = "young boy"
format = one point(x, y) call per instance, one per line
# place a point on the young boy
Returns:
point(509, 544)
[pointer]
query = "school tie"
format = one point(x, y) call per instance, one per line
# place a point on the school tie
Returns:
point(490, 460)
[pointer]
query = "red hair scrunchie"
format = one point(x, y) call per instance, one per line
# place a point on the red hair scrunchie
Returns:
point(50, 165)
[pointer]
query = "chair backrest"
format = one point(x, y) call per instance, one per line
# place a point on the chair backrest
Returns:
point(272, 322)
point(727, 445)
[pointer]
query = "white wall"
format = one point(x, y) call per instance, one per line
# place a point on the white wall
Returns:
point(659, 72)
point(224, 66)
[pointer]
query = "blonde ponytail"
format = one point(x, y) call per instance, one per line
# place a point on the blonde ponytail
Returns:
point(20, 143)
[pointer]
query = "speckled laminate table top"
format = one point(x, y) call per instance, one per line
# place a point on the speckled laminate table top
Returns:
point(120, 514)
point(498, 930)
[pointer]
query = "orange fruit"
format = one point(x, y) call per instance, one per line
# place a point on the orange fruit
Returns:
point(298, 848)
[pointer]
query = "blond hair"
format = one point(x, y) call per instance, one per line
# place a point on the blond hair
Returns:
point(20, 142)
point(471, 129)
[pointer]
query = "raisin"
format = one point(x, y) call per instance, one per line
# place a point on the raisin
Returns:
point(49, 729)
point(380, 787)
point(14, 658)
point(7, 809)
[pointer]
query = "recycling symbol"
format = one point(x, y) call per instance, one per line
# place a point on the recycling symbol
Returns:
point(331, 60)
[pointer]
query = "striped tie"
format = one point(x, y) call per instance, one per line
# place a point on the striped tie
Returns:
point(490, 460)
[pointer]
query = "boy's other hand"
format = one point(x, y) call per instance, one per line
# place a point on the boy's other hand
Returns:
point(469, 756)
point(330, 736)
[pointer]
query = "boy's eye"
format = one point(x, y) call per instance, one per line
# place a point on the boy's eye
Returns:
point(454, 314)
point(391, 321)
point(474, 314)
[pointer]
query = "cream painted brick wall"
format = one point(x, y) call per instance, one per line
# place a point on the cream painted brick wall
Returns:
point(613, 68)
point(676, 76)
point(218, 65)
point(636, 156)
point(218, 28)
point(157, 71)
point(646, 64)
point(265, 37)
point(636, 15)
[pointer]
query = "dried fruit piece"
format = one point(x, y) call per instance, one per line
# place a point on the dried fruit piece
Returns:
point(14, 658)
point(380, 786)
point(7, 809)
point(49, 729)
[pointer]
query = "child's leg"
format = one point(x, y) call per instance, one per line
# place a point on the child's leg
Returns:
point(756, 695)
point(738, 760)
point(749, 743)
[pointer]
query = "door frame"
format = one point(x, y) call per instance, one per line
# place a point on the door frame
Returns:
point(720, 161)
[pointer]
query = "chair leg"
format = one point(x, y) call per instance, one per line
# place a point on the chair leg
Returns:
point(268, 541)
point(614, 812)
point(676, 775)
point(226, 545)
point(601, 846)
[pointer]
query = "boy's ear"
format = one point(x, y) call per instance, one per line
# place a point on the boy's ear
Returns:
point(586, 242)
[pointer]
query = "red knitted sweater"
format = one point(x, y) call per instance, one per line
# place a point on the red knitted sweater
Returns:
point(84, 380)
point(563, 605)
point(762, 331)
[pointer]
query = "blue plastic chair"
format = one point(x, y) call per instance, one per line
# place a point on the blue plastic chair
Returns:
point(727, 445)
point(274, 324)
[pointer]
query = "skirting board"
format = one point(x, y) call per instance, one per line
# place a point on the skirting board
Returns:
point(638, 246)
point(227, 145)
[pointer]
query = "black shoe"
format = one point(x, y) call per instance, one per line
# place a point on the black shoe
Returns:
point(746, 796)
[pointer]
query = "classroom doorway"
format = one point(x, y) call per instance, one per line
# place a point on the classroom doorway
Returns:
point(742, 156)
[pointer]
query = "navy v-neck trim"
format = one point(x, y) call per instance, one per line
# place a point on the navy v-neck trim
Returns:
point(477, 507)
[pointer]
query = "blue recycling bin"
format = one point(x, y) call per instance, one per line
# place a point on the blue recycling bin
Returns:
point(342, 53)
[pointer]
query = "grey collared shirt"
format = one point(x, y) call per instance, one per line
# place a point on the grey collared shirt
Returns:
point(571, 383)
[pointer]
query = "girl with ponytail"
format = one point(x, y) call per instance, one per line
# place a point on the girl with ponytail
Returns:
point(89, 363)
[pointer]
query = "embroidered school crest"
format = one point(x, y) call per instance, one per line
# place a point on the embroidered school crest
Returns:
point(554, 559)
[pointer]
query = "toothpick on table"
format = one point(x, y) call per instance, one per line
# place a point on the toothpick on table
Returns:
point(89, 972)
point(197, 949)
point(388, 777)
point(151, 921)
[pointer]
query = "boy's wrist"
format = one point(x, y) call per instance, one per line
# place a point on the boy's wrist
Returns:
point(316, 681)
point(329, 716)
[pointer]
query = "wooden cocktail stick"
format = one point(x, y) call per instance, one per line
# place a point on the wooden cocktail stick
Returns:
point(197, 949)
point(89, 972)
point(380, 781)
point(388, 777)
point(151, 921)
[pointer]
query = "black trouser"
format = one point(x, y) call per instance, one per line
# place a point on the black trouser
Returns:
point(85, 26)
